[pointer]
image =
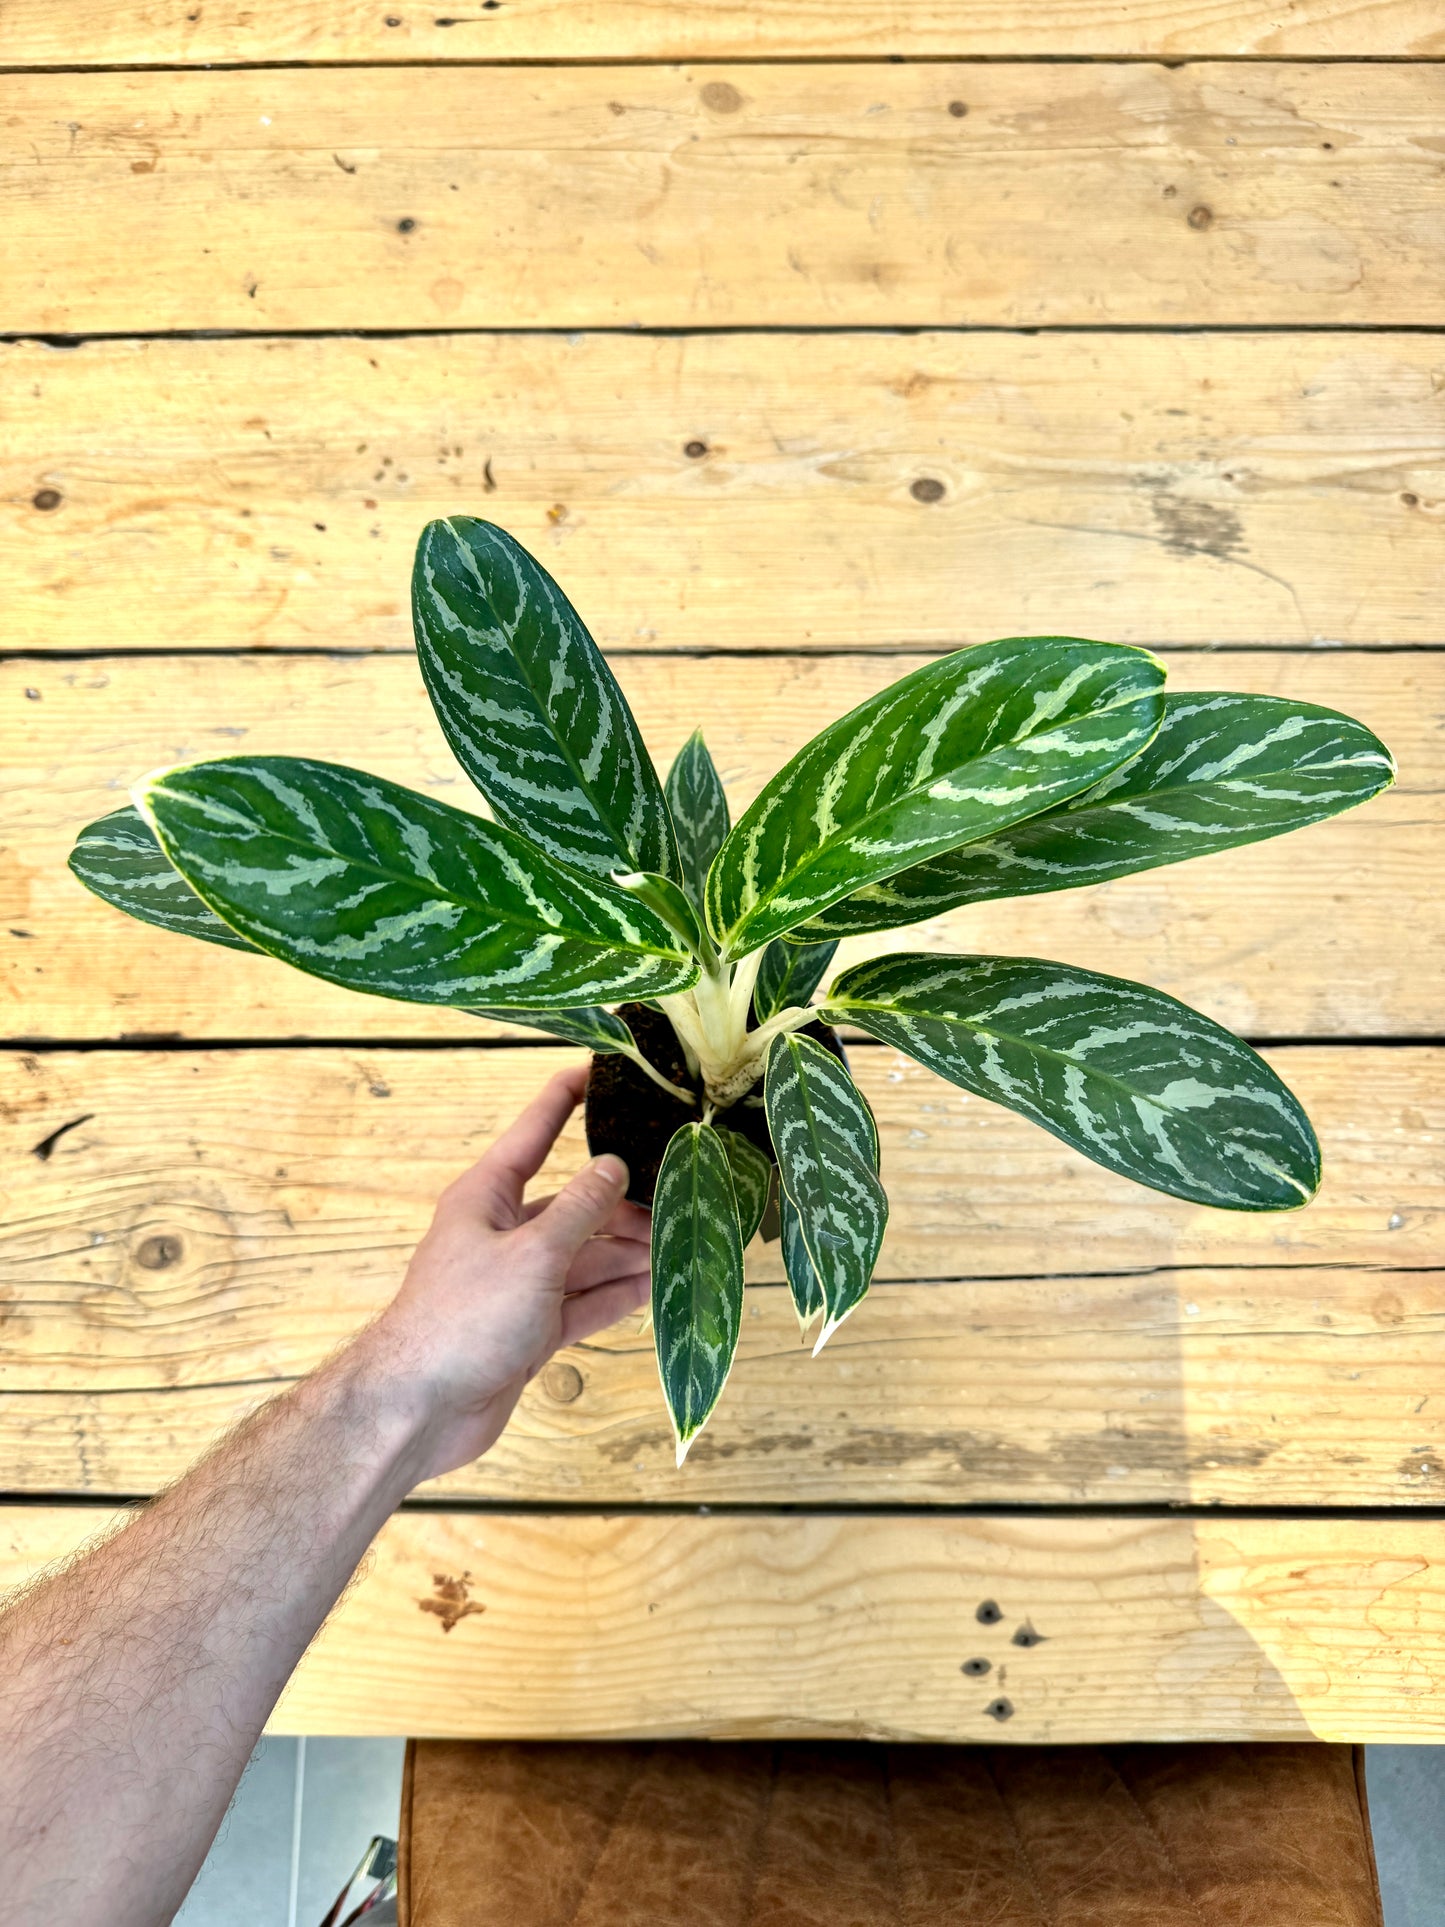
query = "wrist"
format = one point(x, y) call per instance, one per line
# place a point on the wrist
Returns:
point(388, 1409)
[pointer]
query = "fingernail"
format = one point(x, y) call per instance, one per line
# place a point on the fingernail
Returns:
point(611, 1168)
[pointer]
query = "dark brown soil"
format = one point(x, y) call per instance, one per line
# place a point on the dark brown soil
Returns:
point(634, 1118)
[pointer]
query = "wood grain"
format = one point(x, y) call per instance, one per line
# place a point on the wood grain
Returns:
point(174, 32)
point(665, 196)
point(1172, 488)
point(1292, 1386)
point(134, 1180)
point(1336, 931)
point(1203, 1629)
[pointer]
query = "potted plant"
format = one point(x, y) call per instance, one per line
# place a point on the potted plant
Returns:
point(602, 905)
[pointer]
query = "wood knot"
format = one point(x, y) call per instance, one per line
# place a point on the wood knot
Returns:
point(722, 97)
point(46, 499)
point(562, 1382)
point(927, 488)
point(1201, 217)
point(159, 1253)
point(695, 451)
point(958, 109)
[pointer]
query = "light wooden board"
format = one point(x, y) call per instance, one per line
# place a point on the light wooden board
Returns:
point(1291, 1386)
point(734, 195)
point(1170, 488)
point(1335, 931)
point(172, 32)
point(262, 1170)
point(595, 1627)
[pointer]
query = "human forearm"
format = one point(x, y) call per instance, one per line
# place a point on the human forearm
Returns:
point(141, 1676)
point(134, 1683)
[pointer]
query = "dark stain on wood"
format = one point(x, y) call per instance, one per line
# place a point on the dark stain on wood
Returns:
point(452, 1602)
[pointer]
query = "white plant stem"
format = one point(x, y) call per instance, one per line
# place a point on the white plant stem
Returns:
point(711, 1021)
point(673, 1090)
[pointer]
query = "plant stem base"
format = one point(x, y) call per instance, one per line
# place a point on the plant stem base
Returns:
point(630, 1116)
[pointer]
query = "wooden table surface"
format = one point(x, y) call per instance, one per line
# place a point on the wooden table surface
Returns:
point(802, 342)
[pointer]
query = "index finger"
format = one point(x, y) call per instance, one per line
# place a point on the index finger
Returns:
point(521, 1151)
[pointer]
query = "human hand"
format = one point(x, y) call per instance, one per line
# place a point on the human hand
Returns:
point(497, 1285)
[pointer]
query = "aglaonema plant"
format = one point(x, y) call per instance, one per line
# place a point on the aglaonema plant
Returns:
point(604, 906)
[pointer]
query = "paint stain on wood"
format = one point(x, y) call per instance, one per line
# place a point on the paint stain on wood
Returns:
point(452, 1601)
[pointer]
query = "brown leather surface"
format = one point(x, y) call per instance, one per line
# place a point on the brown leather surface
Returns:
point(844, 1835)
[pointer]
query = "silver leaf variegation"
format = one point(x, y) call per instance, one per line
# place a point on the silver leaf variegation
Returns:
point(788, 975)
point(803, 1285)
point(375, 887)
point(598, 1030)
point(1224, 770)
point(958, 750)
point(1135, 1080)
point(752, 1180)
point(697, 1277)
point(119, 859)
point(530, 706)
point(699, 809)
point(827, 1149)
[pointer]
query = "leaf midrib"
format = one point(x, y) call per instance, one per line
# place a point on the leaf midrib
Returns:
point(860, 824)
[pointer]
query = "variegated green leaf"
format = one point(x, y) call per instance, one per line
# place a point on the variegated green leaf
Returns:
point(807, 1293)
point(827, 1150)
point(697, 1277)
point(699, 811)
point(119, 859)
point(1223, 770)
point(372, 886)
point(529, 705)
point(602, 1031)
point(752, 1180)
point(1135, 1080)
point(788, 975)
point(670, 902)
point(960, 749)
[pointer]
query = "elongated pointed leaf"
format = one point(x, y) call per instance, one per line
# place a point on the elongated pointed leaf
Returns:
point(699, 812)
point(807, 1293)
point(1135, 1080)
point(960, 749)
point(697, 1277)
point(788, 975)
point(670, 902)
point(752, 1176)
point(530, 706)
point(118, 859)
point(369, 885)
point(602, 1031)
point(1223, 770)
point(827, 1148)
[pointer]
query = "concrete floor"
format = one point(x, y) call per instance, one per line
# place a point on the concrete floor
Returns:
point(307, 1808)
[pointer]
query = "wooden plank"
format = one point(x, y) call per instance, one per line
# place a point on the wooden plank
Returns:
point(728, 196)
point(1173, 488)
point(176, 32)
point(1337, 932)
point(1291, 1386)
point(135, 1179)
point(1201, 1629)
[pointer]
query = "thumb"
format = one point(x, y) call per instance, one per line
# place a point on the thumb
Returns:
point(582, 1207)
